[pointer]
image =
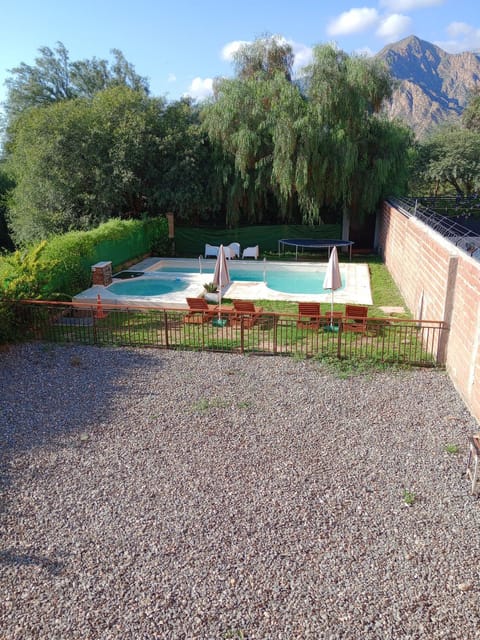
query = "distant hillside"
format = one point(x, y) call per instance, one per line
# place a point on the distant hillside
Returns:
point(433, 85)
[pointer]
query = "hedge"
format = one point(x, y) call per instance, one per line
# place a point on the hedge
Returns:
point(60, 267)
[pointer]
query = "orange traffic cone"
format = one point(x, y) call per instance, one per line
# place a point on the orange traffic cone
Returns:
point(99, 314)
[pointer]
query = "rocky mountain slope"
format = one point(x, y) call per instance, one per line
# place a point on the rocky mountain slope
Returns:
point(433, 85)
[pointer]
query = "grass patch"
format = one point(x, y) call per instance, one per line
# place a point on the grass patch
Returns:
point(205, 404)
point(234, 634)
point(408, 497)
point(384, 290)
point(349, 368)
point(452, 448)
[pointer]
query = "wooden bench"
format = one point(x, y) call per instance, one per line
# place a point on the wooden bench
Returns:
point(308, 315)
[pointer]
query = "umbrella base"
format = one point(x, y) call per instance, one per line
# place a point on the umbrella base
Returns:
point(331, 328)
point(219, 322)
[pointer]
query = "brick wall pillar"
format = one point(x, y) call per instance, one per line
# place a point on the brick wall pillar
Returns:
point(102, 273)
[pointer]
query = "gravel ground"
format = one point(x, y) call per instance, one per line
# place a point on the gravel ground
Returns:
point(152, 494)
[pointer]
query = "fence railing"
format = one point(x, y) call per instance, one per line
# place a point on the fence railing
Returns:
point(415, 342)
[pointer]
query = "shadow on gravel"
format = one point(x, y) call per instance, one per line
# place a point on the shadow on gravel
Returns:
point(49, 391)
point(16, 559)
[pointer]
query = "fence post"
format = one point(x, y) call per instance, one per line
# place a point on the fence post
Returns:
point(165, 321)
point(242, 335)
point(339, 340)
point(275, 325)
point(94, 324)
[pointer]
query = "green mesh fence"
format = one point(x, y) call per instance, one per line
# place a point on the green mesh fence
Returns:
point(190, 242)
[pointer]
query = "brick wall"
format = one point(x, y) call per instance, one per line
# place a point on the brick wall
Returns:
point(438, 282)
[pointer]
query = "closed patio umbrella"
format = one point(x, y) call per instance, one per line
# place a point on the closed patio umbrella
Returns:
point(221, 276)
point(333, 279)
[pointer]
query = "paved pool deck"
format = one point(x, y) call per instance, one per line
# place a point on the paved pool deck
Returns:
point(356, 290)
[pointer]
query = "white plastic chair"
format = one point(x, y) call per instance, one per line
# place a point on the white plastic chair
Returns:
point(235, 249)
point(211, 250)
point(250, 252)
point(228, 252)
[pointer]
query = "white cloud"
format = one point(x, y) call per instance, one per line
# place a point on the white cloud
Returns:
point(171, 77)
point(393, 27)
point(231, 48)
point(409, 5)
point(365, 51)
point(353, 21)
point(302, 53)
point(463, 37)
point(460, 29)
point(200, 88)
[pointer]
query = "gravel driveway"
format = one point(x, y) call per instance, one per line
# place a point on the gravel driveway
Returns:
point(158, 494)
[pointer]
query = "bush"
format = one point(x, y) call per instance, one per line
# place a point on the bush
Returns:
point(7, 322)
point(24, 274)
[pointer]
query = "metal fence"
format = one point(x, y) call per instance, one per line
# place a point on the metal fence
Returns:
point(392, 340)
point(461, 236)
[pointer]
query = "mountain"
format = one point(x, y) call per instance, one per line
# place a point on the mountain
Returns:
point(433, 86)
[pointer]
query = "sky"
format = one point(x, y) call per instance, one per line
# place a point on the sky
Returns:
point(182, 45)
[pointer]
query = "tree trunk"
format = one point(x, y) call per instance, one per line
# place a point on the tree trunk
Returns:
point(360, 230)
point(346, 224)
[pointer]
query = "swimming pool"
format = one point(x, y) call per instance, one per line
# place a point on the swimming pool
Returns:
point(281, 279)
point(148, 286)
point(167, 282)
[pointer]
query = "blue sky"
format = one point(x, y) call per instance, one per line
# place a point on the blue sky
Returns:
point(182, 45)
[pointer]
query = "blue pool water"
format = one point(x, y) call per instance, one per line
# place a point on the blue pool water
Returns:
point(150, 287)
point(283, 280)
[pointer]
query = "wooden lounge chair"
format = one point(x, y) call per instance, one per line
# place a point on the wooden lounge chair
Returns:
point(245, 312)
point(199, 311)
point(308, 315)
point(355, 318)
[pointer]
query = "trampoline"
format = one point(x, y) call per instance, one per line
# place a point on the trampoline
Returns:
point(309, 243)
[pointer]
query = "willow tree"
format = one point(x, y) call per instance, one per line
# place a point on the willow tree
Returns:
point(363, 155)
point(251, 118)
point(264, 58)
point(327, 147)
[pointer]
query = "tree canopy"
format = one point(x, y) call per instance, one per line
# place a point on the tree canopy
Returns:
point(54, 77)
point(78, 162)
point(449, 160)
point(319, 143)
point(263, 58)
point(87, 142)
point(471, 113)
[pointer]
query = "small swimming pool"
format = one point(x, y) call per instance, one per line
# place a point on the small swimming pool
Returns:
point(148, 286)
